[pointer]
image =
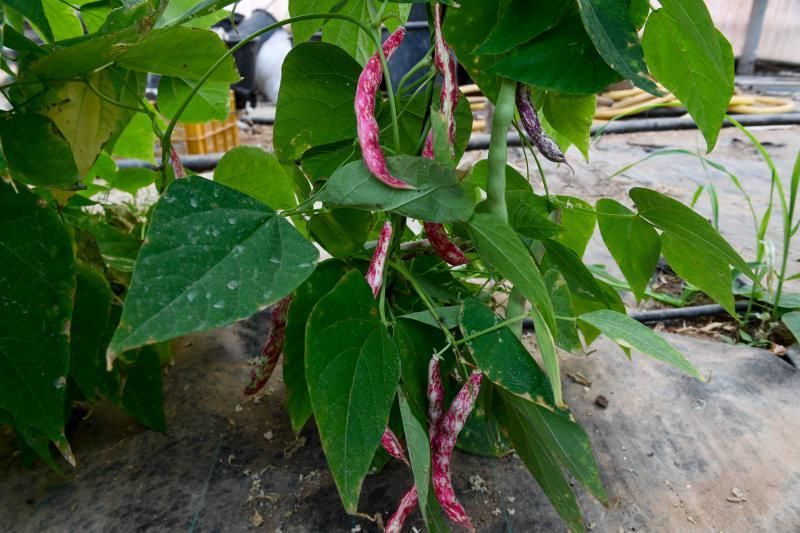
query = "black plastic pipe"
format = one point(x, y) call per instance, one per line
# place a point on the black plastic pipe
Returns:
point(480, 141)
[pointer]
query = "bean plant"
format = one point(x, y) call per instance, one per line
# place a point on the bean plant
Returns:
point(400, 277)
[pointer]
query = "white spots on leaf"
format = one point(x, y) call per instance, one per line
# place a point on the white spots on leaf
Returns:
point(193, 202)
point(233, 284)
point(60, 382)
point(191, 295)
point(231, 220)
point(219, 305)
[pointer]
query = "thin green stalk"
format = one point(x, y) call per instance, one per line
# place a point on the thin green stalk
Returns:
point(110, 100)
point(422, 63)
point(787, 232)
point(167, 136)
point(515, 320)
point(498, 150)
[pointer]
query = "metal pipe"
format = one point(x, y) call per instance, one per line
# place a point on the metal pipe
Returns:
point(747, 61)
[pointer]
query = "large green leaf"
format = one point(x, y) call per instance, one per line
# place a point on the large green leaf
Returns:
point(577, 221)
point(316, 102)
point(87, 330)
point(137, 140)
point(87, 121)
point(143, 394)
point(439, 195)
point(257, 173)
point(320, 283)
point(212, 101)
point(35, 151)
point(531, 444)
point(673, 217)
point(693, 60)
point(196, 14)
point(528, 215)
point(609, 26)
point(417, 342)
point(502, 356)
point(500, 246)
point(633, 243)
point(180, 52)
point(37, 283)
point(567, 332)
point(629, 333)
point(352, 368)
point(212, 256)
point(563, 59)
point(63, 19)
point(522, 21)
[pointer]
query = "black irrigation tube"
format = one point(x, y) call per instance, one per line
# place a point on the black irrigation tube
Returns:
point(480, 141)
point(661, 315)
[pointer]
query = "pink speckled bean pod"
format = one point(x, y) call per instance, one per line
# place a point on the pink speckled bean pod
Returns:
point(367, 126)
point(448, 97)
point(449, 428)
point(378, 262)
point(392, 445)
point(532, 126)
point(272, 349)
point(443, 246)
point(407, 504)
point(177, 164)
point(435, 397)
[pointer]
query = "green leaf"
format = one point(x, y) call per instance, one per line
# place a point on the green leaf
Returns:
point(439, 195)
point(94, 15)
point(37, 282)
point(212, 101)
point(449, 316)
point(132, 179)
point(197, 14)
point(609, 26)
point(567, 331)
point(692, 262)
point(467, 26)
point(500, 246)
point(137, 140)
point(528, 215)
point(35, 151)
point(212, 256)
point(320, 162)
point(638, 11)
point(352, 368)
point(86, 121)
point(633, 243)
point(481, 433)
point(547, 349)
point(180, 52)
point(629, 333)
point(90, 315)
point(419, 454)
point(571, 118)
point(577, 221)
point(792, 321)
point(33, 10)
point(316, 101)
point(63, 20)
point(342, 232)
point(252, 171)
point(417, 342)
point(143, 394)
point(522, 21)
point(320, 283)
point(530, 444)
point(563, 59)
point(673, 217)
point(501, 356)
point(693, 60)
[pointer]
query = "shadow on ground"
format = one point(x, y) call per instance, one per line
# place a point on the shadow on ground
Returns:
point(671, 450)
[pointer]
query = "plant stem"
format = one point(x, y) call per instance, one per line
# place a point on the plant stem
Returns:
point(166, 138)
point(513, 321)
point(498, 150)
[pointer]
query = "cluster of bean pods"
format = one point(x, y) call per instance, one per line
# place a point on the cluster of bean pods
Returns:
point(271, 352)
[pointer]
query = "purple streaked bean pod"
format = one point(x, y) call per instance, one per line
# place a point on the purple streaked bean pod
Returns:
point(435, 397)
point(367, 126)
point(378, 262)
point(177, 164)
point(392, 445)
point(272, 349)
point(449, 428)
point(530, 123)
point(407, 504)
point(443, 246)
